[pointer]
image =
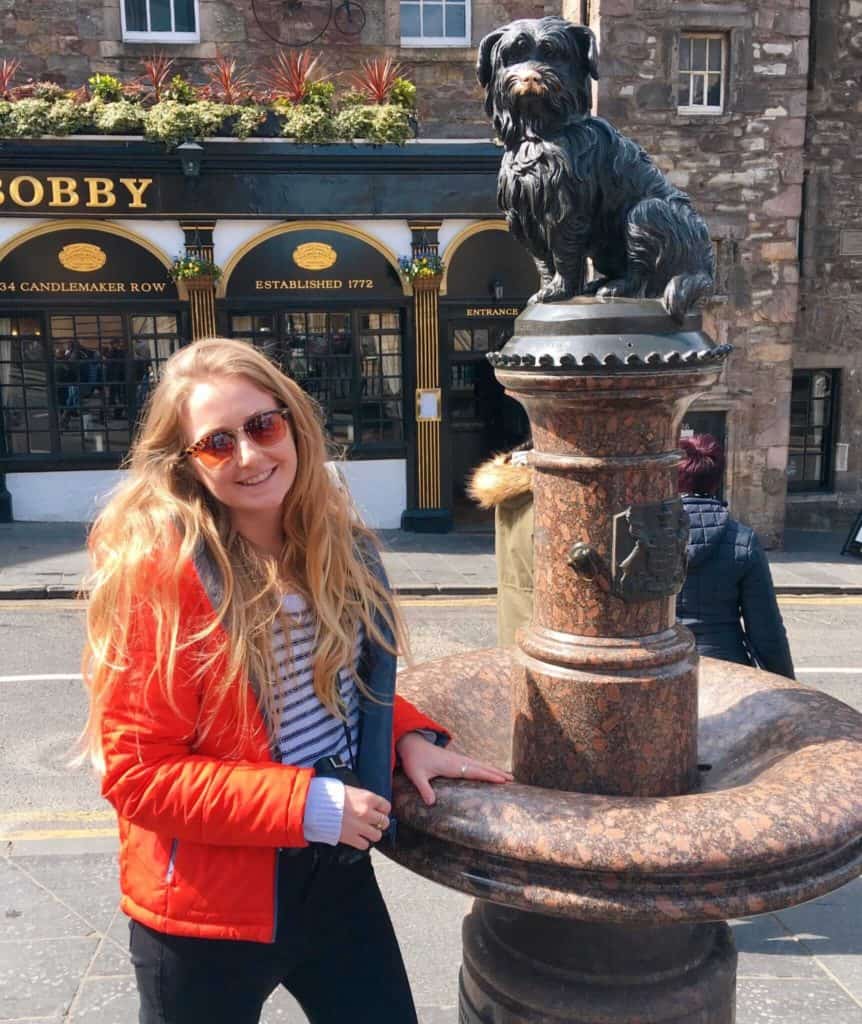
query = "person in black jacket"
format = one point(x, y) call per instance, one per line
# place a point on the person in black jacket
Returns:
point(728, 600)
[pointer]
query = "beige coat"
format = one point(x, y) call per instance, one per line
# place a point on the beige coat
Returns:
point(508, 490)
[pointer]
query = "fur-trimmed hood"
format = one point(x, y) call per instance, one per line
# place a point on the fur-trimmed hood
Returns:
point(498, 480)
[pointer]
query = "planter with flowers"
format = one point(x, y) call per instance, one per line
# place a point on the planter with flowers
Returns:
point(423, 272)
point(292, 98)
point(194, 272)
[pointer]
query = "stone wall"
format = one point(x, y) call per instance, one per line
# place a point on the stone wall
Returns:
point(828, 336)
point(744, 170)
point(69, 40)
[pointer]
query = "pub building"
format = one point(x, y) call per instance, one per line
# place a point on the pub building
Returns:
point(309, 241)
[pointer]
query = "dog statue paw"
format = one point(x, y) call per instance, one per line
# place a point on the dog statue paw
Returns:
point(573, 187)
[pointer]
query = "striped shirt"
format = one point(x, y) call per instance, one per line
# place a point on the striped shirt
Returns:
point(307, 730)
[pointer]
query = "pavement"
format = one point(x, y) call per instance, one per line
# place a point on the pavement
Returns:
point(64, 943)
point(48, 560)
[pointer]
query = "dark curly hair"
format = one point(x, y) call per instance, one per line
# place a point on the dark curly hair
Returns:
point(702, 465)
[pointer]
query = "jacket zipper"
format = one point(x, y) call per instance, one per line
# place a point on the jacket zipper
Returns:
point(169, 874)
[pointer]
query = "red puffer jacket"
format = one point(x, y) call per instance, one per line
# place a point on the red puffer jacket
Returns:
point(201, 820)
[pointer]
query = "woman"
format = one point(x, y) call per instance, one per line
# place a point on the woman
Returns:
point(728, 600)
point(240, 661)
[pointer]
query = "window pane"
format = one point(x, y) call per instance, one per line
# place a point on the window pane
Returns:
point(136, 15)
point(410, 24)
point(715, 55)
point(684, 54)
point(684, 97)
point(240, 324)
point(461, 341)
point(713, 96)
point(697, 93)
point(698, 54)
point(480, 340)
point(456, 21)
point(184, 15)
point(432, 20)
point(160, 15)
point(813, 464)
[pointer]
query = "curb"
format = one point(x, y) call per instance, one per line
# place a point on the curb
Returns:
point(59, 591)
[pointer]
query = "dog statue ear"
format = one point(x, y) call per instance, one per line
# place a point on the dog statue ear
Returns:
point(585, 44)
point(483, 62)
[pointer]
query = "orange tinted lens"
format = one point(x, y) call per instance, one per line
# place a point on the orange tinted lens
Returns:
point(216, 449)
point(267, 429)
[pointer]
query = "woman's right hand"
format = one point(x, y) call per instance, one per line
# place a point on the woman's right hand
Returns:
point(365, 818)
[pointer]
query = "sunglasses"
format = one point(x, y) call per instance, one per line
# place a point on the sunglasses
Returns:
point(265, 429)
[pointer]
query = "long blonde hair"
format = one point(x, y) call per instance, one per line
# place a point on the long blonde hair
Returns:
point(159, 517)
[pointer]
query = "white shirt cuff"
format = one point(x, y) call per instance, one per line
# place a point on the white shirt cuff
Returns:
point(324, 810)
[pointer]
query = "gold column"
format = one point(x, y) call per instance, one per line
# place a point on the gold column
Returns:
point(201, 290)
point(201, 293)
point(426, 292)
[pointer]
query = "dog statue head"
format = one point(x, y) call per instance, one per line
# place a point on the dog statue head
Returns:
point(536, 74)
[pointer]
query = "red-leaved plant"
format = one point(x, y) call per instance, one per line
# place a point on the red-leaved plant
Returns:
point(156, 77)
point(290, 74)
point(8, 70)
point(228, 83)
point(377, 78)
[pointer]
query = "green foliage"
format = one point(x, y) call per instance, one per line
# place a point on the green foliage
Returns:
point(105, 87)
point(403, 94)
point(185, 268)
point(5, 119)
point(121, 118)
point(390, 125)
point(308, 123)
point(319, 94)
point(421, 266)
point(245, 119)
point(41, 90)
point(174, 123)
point(66, 117)
point(29, 118)
point(180, 91)
point(355, 122)
point(352, 98)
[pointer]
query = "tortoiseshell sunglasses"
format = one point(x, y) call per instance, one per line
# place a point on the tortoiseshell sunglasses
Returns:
point(265, 429)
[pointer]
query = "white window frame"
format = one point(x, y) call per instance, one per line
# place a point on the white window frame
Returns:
point(691, 73)
point(161, 37)
point(426, 41)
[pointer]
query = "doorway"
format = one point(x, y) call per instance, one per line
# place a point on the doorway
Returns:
point(482, 418)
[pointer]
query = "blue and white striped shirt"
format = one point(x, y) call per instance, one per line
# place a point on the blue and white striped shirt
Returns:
point(306, 729)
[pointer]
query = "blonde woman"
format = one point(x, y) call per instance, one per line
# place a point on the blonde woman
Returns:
point(240, 662)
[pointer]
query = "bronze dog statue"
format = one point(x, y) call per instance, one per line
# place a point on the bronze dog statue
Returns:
point(573, 187)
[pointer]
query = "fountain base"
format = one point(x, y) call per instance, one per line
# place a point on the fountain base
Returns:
point(521, 966)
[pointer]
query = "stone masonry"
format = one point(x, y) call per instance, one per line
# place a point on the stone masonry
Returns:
point(744, 170)
point(831, 300)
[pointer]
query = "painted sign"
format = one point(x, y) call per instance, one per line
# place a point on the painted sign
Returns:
point(314, 261)
point(65, 192)
point(82, 265)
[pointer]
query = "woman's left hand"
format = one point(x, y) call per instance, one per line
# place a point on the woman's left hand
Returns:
point(423, 761)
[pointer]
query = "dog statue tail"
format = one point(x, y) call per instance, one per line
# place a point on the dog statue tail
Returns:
point(683, 291)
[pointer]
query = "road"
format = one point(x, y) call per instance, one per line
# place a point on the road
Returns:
point(801, 965)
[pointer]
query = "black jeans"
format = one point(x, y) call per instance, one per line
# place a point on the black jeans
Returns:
point(335, 952)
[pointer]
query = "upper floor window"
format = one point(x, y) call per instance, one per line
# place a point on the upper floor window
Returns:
point(161, 21)
point(702, 73)
point(435, 22)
